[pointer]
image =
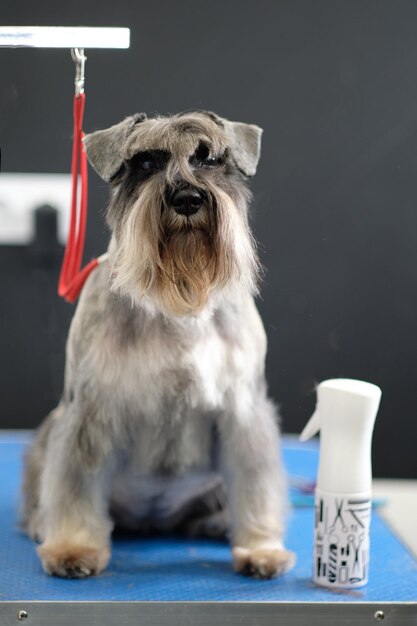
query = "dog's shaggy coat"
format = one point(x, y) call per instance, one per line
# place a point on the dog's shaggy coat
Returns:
point(164, 422)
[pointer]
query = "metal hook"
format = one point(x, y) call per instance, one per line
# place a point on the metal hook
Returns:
point(79, 59)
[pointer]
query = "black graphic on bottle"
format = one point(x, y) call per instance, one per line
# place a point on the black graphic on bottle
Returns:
point(318, 513)
point(319, 566)
point(339, 515)
point(332, 563)
point(342, 540)
point(343, 572)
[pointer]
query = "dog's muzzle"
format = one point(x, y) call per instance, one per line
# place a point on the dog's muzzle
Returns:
point(186, 201)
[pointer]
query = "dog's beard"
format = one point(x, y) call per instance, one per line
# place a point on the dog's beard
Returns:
point(178, 262)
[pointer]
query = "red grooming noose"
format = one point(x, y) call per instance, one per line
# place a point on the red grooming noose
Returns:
point(72, 277)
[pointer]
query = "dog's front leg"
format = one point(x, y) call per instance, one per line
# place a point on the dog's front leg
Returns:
point(73, 504)
point(256, 486)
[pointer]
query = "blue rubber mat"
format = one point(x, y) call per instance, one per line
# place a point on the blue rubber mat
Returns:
point(176, 569)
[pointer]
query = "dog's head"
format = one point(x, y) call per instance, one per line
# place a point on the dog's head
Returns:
point(178, 212)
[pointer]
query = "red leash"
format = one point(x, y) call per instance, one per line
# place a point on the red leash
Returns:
point(72, 277)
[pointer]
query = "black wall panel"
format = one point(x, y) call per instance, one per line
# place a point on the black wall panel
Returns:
point(334, 85)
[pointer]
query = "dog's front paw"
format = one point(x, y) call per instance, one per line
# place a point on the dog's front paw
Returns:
point(262, 562)
point(72, 560)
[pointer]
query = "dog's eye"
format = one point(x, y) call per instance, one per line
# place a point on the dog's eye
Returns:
point(212, 161)
point(203, 158)
point(148, 162)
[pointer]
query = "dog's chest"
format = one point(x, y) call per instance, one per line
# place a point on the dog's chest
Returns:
point(164, 385)
point(171, 387)
point(165, 373)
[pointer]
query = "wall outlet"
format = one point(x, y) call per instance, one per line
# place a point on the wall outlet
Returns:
point(21, 194)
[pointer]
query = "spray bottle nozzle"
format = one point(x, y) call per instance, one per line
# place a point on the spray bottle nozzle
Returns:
point(311, 428)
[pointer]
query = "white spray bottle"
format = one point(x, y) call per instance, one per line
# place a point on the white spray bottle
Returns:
point(345, 415)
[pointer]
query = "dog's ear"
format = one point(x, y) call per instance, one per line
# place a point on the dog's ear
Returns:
point(244, 141)
point(104, 148)
point(245, 145)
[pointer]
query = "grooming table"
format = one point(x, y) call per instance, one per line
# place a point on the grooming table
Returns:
point(176, 581)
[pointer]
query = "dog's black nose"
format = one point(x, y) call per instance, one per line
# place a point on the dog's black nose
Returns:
point(186, 201)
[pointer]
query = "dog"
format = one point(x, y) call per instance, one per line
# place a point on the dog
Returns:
point(165, 423)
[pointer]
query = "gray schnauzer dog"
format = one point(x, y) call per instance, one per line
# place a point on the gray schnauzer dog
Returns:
point(165, 423)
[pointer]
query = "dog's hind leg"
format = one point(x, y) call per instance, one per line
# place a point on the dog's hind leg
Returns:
point(33, 464)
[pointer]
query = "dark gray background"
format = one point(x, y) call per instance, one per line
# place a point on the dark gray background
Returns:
point(334, 85)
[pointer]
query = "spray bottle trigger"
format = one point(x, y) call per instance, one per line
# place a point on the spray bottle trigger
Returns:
point(311, 428)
